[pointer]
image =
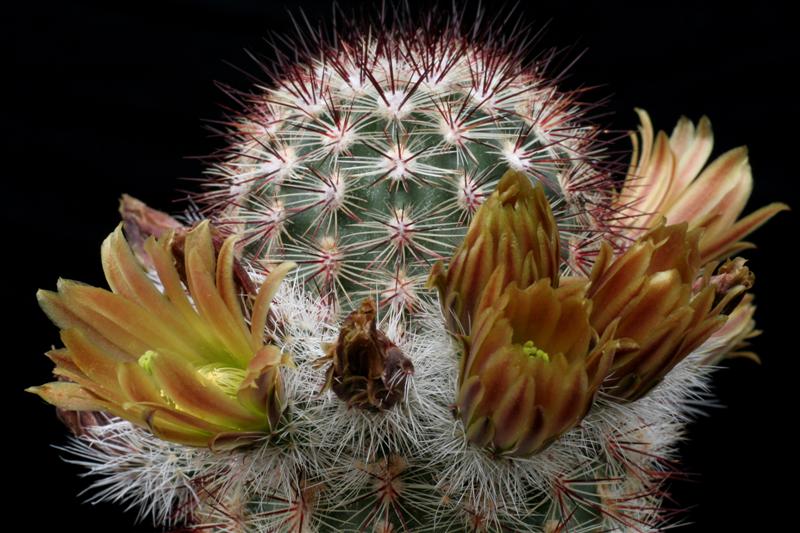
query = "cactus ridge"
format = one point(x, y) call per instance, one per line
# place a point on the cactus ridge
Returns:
point(365, 160)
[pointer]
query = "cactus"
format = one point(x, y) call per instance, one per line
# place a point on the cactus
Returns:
point(365, 161)
point(488, 328)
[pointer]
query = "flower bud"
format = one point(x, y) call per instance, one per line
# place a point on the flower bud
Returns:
point(515, 229)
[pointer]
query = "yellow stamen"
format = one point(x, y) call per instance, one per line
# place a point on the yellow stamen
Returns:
point(226, 378)
point(531, 350)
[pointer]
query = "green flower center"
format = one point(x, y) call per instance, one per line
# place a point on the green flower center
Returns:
point(146, 361)
point(531, 350)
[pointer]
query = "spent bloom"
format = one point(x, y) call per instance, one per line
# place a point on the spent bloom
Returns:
point(487, 328)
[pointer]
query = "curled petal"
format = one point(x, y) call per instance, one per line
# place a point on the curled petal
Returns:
point(669, 180)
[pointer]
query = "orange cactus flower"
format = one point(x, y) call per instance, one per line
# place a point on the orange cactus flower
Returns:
point(651, 290)
point(532, 362)
point(186, 366)
point(531, 367)
point(668, 177)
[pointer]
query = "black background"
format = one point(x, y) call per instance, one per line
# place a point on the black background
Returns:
point(111, 97)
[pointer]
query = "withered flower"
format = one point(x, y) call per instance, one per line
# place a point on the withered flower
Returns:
point(531, 367)
point(514, 228)
point(652, 290)
point(366, 369)
point(186, 366)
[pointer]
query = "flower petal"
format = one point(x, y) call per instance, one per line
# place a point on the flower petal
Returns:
point(68, 396)
point(261, 306)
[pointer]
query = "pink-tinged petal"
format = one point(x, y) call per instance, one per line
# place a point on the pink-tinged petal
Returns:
point(647, 133)
point(703, 195)
point(692, 149)
point(682, 138)
point(631, 189)
point(732, 205)
point(68, 396)
point(656, 182)
point(731, 338)
point(263, 300)
point(198, 396)
point(725, 242)
point(626, 194)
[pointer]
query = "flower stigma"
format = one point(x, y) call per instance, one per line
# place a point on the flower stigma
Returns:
point(531, 350)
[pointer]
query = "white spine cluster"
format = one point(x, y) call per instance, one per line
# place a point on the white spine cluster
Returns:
point(334, 468)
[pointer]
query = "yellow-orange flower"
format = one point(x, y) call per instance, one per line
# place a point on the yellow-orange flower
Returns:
point(514, 228)
point(531, 367)
point(186, 366)
point(651, 291)
point(668, 177)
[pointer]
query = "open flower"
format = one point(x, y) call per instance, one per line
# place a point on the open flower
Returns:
point(515, 229)
point(652, 291)
point(532, 361)
point(531, 367)
point(186, 366)
point(668, 177)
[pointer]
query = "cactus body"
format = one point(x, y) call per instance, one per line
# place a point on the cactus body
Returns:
point(366, 162)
